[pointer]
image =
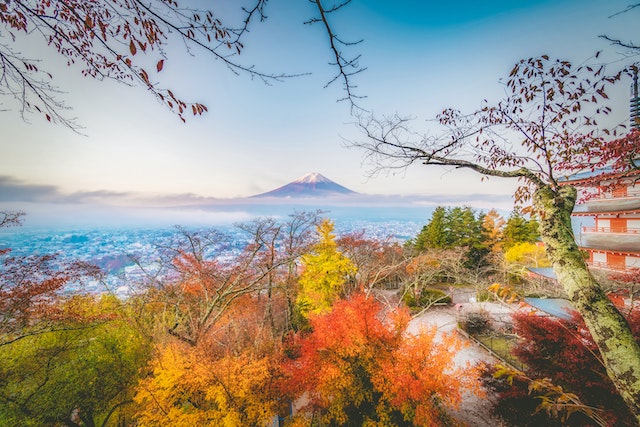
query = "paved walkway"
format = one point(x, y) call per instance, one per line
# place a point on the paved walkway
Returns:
point(474, 411)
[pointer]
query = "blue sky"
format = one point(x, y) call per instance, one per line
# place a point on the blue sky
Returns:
point(421, 57)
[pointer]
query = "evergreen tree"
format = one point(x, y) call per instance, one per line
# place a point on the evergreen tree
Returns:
point(458, 227)
point(433, 235)
point(465, 229)
point(473, 236)
point(519, 230)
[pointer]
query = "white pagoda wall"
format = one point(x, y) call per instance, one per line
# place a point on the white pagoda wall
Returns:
point(600, 257)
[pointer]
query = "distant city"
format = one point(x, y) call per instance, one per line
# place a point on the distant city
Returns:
point(118, 251)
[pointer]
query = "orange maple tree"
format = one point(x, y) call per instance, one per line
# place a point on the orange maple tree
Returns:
point(359, 365)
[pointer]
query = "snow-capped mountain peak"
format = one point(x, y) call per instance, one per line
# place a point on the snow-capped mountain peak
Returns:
point(313, 178)
point(310, 185)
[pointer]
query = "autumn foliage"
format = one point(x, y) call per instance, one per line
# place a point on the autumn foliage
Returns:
point(210, 341)
point(226, 378)
point(123, 40)
point(550, 123)
point(359, 365)
point(30, 293)
point(130, 41)
point(564, 351)
point(189, 387)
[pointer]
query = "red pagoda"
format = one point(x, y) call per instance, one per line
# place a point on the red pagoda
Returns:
point(613, 239)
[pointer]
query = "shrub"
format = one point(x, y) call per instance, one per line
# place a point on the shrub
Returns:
point(477, 323)
point(484, 295)
point(564, 351)
point(426, 298)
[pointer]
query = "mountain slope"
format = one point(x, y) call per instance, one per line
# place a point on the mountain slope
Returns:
point(310, 185)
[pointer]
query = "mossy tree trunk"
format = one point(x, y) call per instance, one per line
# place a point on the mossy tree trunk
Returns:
point(610, 331)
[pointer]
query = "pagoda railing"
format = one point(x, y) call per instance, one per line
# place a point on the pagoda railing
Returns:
point(605, 266)
point(627, 230)
point(634, 192)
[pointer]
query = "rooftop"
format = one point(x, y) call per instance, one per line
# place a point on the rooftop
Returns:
point(594, 175)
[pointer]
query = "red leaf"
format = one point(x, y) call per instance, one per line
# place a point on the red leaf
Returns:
point(159, 65)
point(132, 48)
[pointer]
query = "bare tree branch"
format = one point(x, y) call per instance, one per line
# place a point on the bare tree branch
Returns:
point(119, 39)
point(547, 120)
point(635, 48)
point(347, 67)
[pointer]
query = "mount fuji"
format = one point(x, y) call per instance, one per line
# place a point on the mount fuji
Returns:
point(310, 185)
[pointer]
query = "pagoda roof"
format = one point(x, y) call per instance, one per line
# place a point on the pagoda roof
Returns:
point(581, 176)
point(545, 272)
point(557, 307)
point(611, 251)
point(595, 175)
point(617, 213)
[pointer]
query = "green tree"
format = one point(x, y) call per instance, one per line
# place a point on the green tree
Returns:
point(546, 126)
point(81, 373)
point(469, 232)
point(465, 228)
point(451, 228)
point(434, 234)
point(458, 227)
point(325, 273)
point(519, 230)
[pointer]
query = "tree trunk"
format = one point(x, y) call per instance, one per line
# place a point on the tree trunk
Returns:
point(610, 331)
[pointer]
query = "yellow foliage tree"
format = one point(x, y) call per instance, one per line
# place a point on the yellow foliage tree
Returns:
point(188, 388)
point(528, 255)
point(326, 270)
